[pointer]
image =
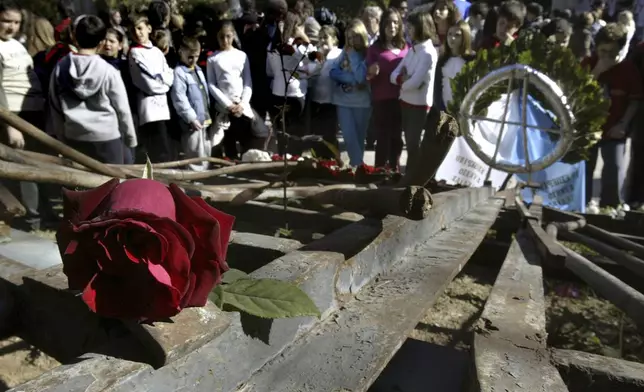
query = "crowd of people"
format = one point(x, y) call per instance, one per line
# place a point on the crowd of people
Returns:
point(123, 85)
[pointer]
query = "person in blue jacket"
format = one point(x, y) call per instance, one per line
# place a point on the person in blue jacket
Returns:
point(351, 94)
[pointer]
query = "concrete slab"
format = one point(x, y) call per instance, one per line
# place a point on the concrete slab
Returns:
point(388, 249)
point(586, 372)
point(89, 374)
point(348, 350)
point(516, 305)
point(268, 214)
point(510, 343)
point(250, 251)
point(230, 359)
point(30, 250)
point(502, 365)
point(55, 320)
point(168, 341)
point(283, 245)
point(10, 268)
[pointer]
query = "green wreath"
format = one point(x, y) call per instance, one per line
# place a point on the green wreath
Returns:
point(584, 94)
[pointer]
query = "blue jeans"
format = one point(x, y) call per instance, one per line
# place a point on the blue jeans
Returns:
point(613, 172)
point(354, 123)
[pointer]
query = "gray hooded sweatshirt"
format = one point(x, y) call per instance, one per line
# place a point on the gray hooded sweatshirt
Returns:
point(89, 102)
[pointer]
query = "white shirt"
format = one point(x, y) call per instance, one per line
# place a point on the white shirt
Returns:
point(298, 62)
point(20, 83)
point(451, 68)
point(229, 81)
point(152, 76)
point(420, 62)
point(323, 91)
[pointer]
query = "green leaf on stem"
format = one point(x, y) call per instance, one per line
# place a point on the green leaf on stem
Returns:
point(268, 298)
point(217, 296)
point(284, 233)
point(232, 275)
point(147, 171)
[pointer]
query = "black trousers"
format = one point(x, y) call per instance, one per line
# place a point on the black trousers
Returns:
point(239, 131)
point(293, 121)
point(324, 122)
point(111, 151)
point(154, 141)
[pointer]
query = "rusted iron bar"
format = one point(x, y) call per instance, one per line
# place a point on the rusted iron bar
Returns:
point(618, 242)
point(619, 256)
point(551, 253)
point(619, 293)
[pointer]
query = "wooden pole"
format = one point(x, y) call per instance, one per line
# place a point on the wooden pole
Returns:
point(72, 178)
point(10, 206)
point(413, 202)
point(25, 127)
point(69, 177)
point(187, 175)
point(183, 162)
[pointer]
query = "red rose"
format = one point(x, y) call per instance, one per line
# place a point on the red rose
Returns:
point(142, 250)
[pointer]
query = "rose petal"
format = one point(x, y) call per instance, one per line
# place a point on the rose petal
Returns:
point(149, 196)
point(89, 295)
point(226, 223)
point(160, 274)
point(82, 205)
point(78, 267)
point(208, 261)
point(145, 264)
point(134, 296)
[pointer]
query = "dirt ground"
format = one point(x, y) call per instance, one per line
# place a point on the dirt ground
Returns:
point(20, 362)
point(576, 317)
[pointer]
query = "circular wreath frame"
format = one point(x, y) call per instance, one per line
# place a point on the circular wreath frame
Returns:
point(584, 95)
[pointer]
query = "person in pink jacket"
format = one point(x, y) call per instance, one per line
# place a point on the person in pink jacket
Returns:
point(382, 59)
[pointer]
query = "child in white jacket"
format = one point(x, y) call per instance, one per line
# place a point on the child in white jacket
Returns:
point(153, 78)
point(230, 85)
point(415, 76)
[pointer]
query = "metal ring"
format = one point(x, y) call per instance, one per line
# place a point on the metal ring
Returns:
point(553, 94)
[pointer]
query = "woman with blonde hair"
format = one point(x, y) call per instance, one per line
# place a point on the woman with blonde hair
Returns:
point(41, 36)
point(625, 19)
point(324, 120)
point(458, 51)
point(351, 94)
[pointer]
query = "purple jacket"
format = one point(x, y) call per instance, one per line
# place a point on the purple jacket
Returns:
point(381, 87)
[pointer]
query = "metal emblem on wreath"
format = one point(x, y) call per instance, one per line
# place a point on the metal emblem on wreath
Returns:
point(525, 76)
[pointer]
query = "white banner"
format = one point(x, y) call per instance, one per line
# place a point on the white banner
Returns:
point(462, 167)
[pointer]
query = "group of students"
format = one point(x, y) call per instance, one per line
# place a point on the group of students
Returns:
point(209, 87)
